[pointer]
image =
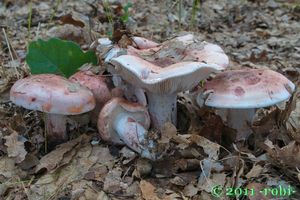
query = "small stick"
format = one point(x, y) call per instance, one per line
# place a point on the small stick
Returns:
point(10, 53)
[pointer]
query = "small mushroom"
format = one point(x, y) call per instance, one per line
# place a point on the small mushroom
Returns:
point(242, 91)
point(57, 97)
point(124, 122)
point(100, 87)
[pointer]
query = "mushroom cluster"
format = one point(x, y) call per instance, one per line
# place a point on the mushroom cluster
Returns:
point(163, 70)
point(152, 74)
point(141, 91)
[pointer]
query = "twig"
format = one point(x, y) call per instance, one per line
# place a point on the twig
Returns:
point(109, 16)
point(29, 19)
point(196, 5)
point(24, 187)
point(54, 11)
point(10, 53)
point(179, 13)
point(38, 31)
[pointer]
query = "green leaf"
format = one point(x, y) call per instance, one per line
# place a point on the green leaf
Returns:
point(57, 56)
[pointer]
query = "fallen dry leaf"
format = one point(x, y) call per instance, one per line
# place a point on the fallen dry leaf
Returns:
point(51, 184)
point(207, 180)
point(169, 131)
point(178, 181)
point(8, 169)
point(68, 19)
point(210, 148)
point(15, 148)
point(190, 190)
point(148, 190)
point(83, 190)
point(288, 155)
point(255, 171)
point(112, 182)
point(61, 155)
point(128, 155)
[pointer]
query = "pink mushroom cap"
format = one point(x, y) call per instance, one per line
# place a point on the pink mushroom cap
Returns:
point(251, 88)
point(98, 84)
point(53, 94)
point(180, 49)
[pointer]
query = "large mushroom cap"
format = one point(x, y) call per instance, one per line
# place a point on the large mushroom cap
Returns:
point(178, 49)
point(52, 94)
point(174, 78)
point(253, 88)
point(115, 107)
point(184, 48)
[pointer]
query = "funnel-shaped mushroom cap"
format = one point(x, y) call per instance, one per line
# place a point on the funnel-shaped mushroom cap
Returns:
point(252, 88)
point(52, 94)
point(174, 78)
point(185, 48)
point(110, 112)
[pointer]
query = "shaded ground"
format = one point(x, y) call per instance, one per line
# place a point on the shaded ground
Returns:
point(254, 34)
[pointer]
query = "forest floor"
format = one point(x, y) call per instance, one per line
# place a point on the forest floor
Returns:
point(199, 162)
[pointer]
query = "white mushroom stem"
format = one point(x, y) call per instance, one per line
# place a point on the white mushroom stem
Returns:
point(131, 92)
point(241, 120)
point(135, 94)
point(162, 109)
point(55, 126)
point(133, 134)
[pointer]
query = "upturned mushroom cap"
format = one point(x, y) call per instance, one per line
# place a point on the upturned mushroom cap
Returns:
point(96, 83)
point(174, 78)
point(181, 49)
point(52, 94)
point(253, 88)
point(109, 113)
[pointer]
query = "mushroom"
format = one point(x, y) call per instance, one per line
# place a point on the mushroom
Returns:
point(57, 97)
point(124, 122)
point(173, 67)
point(162, 84)
point(242, 91)
point(108, 51)
point(100, 86)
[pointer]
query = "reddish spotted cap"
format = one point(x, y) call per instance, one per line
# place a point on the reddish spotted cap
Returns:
point(250, 88)
point(52, 94)
point(98, 84)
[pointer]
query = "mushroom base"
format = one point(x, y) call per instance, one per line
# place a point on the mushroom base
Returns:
point(55, 126)
point(241, 121)
point(162, 109)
